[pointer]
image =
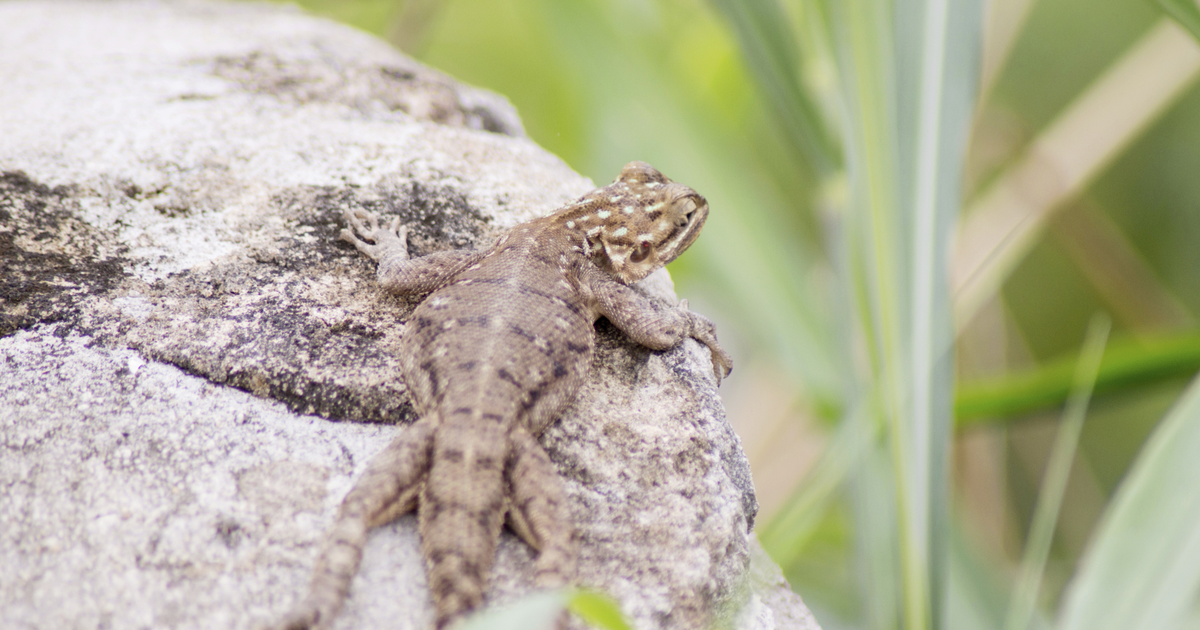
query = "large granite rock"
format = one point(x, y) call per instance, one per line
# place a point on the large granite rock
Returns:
point(193, 369)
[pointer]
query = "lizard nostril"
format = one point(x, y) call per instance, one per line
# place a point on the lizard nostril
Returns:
point(690, 206)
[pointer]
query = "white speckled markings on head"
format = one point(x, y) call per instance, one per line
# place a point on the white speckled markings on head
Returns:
point(492, 356)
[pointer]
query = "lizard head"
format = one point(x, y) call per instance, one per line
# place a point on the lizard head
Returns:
point(641, 222)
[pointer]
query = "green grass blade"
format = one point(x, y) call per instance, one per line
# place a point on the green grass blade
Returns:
point(1142, 567)
point(877, 540)
point(767, 44)
point(908, 83)
point(945, 79)
point(876, 233)
point(1130, 362)
point(1054, 483)
point(1186, 12)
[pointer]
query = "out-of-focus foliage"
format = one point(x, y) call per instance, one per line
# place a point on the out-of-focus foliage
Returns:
point(542, 611)
point(841, 145)
point(1185, 12)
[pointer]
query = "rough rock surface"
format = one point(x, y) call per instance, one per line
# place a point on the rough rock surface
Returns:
point(181, 335)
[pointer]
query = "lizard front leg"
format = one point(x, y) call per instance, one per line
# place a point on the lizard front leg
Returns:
point(388, 246)
point(386, 490)
point(651, 326)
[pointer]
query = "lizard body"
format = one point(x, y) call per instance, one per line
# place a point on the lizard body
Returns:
point(492, 356)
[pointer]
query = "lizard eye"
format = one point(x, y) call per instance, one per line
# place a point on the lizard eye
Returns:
point(640, 253)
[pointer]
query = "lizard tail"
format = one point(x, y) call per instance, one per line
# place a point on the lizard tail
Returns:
point(462, 512)
point(385, 490)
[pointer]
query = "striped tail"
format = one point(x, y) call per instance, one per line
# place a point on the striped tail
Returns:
point(461, 513)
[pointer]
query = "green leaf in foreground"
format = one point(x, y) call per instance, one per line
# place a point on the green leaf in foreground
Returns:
point(540, 611)
point(1142, 567)
point(598, 610)
point(1185, 12)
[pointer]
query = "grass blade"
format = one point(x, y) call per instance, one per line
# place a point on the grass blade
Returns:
point(1142, 567)
point(1054, 483)
point(908, 82)
point(1186, 12)
point(865, 49)
point(877, 541)
point(1004, 222)
point(772, 57)
point(946, 81)
point(1128, 363)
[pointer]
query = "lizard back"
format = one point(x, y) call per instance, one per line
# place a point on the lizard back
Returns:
point(505, 343)
point(493, 354)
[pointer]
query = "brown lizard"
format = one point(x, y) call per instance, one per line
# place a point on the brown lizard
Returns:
point(491, 357)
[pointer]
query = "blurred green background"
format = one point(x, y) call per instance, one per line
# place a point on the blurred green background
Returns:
point(844, 146)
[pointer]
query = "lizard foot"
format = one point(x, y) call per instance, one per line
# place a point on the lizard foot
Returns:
point(705, 332)
point(385, 239)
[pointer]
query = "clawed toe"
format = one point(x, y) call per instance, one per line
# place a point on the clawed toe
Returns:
point(722, 364)
point(378, 240)
point(355, 218)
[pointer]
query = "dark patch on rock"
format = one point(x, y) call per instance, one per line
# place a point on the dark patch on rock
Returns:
point(52, 260)
point(299, 319)
point(438, 215)
point(172, 210)
point(304, 321)
point(294, 329)
point(693, 461)
point(413, 89)
point(230, 532)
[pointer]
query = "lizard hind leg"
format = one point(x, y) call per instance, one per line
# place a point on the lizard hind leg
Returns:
point(387, 489)
point(540, 512)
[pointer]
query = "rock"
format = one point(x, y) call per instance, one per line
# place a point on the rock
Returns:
point(194, 369)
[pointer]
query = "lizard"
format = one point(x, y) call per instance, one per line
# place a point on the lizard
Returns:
point(494, 353)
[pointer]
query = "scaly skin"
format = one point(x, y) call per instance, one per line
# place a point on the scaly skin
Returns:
point(492, 356)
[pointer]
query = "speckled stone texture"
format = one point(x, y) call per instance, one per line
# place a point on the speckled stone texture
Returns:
point(193, 370)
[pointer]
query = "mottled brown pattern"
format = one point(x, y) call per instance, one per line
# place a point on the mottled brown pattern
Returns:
point(492, 356)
